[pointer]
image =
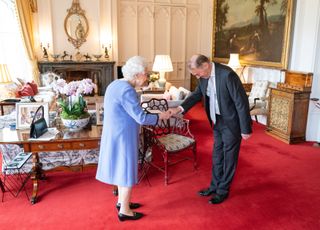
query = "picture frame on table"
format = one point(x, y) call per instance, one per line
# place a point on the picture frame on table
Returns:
point(99, 112)
point(25, 112)
point(259, 31)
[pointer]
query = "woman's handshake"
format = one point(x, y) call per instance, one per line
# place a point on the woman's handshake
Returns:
point(165, 115)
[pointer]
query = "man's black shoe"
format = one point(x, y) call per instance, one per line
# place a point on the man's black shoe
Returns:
point(217, 199)
point(206, 192)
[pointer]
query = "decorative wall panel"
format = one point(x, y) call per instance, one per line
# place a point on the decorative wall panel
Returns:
point(127, 31)
point(145, 31)
point(153, 27)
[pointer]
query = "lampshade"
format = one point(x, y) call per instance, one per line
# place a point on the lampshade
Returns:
point(5, 76)
point(162, 63)
point(234, 62)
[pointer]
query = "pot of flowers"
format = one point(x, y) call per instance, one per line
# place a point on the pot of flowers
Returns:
point(73, 108)
point(153, 81)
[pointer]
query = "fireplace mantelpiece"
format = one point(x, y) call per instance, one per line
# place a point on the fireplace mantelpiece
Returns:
point(100, 72)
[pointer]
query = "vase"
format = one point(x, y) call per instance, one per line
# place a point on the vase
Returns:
point(75, 125)
point(162, 82)
point(153, 85)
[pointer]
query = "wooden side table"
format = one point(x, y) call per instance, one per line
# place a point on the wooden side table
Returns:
point(64, 140)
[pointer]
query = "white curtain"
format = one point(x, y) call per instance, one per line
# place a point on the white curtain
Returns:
point(12, 51)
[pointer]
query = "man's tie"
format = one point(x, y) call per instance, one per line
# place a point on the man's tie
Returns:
point(212, 100)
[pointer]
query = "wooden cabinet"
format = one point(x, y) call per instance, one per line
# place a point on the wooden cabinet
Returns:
point(288, 109)
point(288, 113)
point(100, 72)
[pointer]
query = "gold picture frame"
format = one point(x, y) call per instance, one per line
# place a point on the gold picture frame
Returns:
point(259, 33)
point(99, 112)
point(76, 25)
point(26, 111)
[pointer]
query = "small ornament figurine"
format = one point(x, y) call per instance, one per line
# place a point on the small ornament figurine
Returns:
point(65, 54)
point(88, 57)
point(106, 55)
point(78, 56)
point(45, 53)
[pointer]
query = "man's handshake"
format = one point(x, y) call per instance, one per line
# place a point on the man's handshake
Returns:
point(169, 113)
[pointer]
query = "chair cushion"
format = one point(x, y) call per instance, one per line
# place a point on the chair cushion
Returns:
point(259, 111)
point(18, 161)
point(26, 91)
point(258, 104)
point(34, 87)
point(175, 142)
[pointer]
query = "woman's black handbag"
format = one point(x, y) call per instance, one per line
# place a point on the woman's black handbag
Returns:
point(38, 127)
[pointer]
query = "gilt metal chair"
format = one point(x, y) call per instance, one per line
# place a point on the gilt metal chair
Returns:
point(171, 138)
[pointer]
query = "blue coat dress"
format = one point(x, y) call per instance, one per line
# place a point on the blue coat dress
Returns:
point(123, 115)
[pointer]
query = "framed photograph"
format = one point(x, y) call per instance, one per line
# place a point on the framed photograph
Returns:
point(99, 113)
point(25, 113)
point(258, 30)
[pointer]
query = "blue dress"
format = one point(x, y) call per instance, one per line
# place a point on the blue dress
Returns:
point(123, 115)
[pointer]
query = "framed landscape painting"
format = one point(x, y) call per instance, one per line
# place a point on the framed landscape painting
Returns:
point(258, 30)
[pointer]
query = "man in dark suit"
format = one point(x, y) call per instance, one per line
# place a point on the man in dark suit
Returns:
point(227, 108)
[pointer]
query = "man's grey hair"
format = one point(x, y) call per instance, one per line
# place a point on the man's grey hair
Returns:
point(133, 66)
point(197, 60)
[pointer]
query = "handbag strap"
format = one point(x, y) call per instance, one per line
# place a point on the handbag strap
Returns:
point(35, 115)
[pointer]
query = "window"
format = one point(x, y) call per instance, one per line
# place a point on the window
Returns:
point(12, 50)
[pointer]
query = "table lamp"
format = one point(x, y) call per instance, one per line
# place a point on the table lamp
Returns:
point(162, 64)
point(234, 63)
point(5, 79)
point(5, 76)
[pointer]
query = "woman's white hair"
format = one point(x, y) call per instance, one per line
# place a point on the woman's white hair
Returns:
point(133, 66)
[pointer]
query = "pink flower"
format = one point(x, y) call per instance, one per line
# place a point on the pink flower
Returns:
point(74, 88)
point(58, 86)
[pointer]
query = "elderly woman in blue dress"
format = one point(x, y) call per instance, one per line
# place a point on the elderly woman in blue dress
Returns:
point(118, 159)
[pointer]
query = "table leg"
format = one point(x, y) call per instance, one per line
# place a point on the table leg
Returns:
point(37, 174)
point(2, 110)
point(2, 186)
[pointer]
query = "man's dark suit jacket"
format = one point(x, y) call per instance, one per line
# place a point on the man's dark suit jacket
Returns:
point(231, 96)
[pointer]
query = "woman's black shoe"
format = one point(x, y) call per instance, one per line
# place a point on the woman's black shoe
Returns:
point(131, 206)
point(136, 216)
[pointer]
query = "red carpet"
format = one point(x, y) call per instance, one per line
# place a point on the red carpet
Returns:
point(276, 186)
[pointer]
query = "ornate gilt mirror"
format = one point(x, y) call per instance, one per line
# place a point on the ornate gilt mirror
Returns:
point(76, 25)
